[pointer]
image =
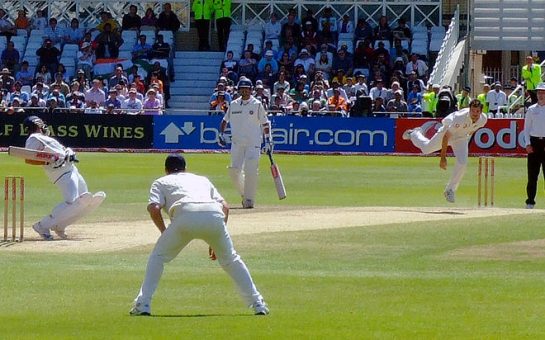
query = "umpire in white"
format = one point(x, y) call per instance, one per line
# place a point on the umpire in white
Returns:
point(249, 123)
point(534, 135)
point(196, 211)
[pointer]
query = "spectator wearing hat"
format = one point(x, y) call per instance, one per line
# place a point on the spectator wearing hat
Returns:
point(112, 99)
point(309, 16)
point(463, 98)
point(429, 100)
point(131, 20)
point(36, 101)
point(273, 28)
point(86, 59)
point(350, 88)
point(24, 75)
point(496, 99)
point(95, 93)
point(268, 59)
point(141, 50)
point(397, 104)
point(132, 103)
point(391, 92)
point(48, 55)
point(378, 90)
point(336, 104)
point(418, 66)
point(284, 101)
point(220, 87)
point(41, 90)
point(7, 80)
point(152, 105)
point(262, 91)
point(309, 38)
point(343, 61)
point(482, 97)
point(268, 47)
point(306, 60)
point(361, 84)
point(10, 57)
point(531, 75)
point(219, 103)
point(414, 99)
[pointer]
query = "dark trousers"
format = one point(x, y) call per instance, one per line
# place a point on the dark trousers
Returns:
point(223, 25)
point(533, 96)
point(203, 29)
point(112, 49)
point(536, 161)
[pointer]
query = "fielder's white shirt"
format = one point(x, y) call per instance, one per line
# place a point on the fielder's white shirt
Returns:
point(246, 119)
point(180, 188)
point(534, 122)
point(460, 125)
point(39, 141)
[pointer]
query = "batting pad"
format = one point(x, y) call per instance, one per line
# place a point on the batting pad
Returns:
point(84, 205)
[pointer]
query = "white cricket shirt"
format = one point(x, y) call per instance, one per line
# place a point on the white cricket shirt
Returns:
point(534, 122)
point(246, 119)
point(39, 141)
point(460, 125)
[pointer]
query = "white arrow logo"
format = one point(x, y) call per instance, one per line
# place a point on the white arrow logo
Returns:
point(188, 128)
point(172, 133)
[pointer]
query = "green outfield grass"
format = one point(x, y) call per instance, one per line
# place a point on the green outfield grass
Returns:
point(412, 280)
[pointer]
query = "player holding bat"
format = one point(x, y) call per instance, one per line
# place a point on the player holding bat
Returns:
point(249, 123)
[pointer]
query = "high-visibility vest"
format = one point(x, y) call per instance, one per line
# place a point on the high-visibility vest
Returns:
point(222, 9)
point(202, 9)
point(531, 77)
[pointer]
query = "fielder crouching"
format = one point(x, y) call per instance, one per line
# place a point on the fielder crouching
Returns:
point(78, 201)
point(249, 123)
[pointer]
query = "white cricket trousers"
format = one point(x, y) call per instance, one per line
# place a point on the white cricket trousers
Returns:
point(244, 169)
point(72, 186)
point(459, 148)
point(197, 221)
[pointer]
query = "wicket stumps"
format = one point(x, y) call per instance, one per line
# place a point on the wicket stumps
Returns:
point(16, 186)
point(489, 167)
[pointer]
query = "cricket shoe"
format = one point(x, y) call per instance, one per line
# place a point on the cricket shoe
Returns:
point(530, 206)
point(449, 195)
point(61, 234)
point(140, 309)
point(44, 234)
point(407, 134)
point(247, 204)
point(260, 307)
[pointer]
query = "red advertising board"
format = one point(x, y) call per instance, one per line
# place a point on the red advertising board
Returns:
point(498, 136)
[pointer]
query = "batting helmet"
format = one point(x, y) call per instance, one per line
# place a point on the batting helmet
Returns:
point(31, 123)
point(244, 82)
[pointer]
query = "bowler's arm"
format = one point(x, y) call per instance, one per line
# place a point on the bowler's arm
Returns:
point(444, 146)
point(154, 210)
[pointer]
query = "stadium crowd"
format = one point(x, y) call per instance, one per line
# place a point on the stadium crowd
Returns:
point(138, 85)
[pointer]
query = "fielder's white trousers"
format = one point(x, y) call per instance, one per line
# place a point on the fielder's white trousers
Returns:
point(72, 186)
point(197, 221)
point(244, 169)
point(459, 148)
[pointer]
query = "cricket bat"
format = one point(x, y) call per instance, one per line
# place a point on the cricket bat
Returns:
point(277, 177)
point(33, 155)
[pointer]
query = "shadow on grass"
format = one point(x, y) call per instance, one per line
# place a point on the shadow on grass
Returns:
point(195, 315)
point(444, 212)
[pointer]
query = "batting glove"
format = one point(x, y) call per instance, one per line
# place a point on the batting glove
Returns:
point(70, 156)
point(222, 140)
point(268, 147)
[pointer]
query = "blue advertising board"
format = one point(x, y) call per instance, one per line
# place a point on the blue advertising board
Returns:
point(324, 134)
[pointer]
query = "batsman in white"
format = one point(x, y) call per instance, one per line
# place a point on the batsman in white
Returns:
point(456, 130)
point(196, 211)
point(78, 201)
point(249, 123)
